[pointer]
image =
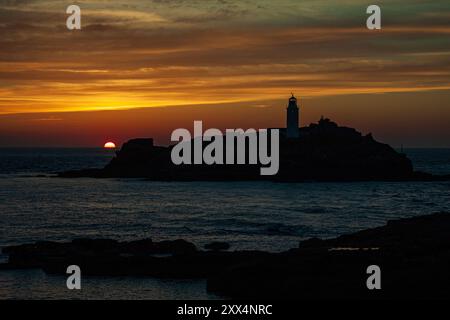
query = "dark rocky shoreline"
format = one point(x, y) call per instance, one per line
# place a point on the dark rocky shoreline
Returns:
point(413, 254)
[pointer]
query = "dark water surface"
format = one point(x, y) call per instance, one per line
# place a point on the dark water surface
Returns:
point(248, 215)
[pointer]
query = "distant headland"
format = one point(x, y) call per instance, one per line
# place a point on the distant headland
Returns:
point(322, 151)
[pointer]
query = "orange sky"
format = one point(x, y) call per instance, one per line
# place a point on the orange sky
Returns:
point(162, 64)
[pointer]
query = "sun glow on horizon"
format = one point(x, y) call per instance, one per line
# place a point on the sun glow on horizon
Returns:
point(109, 145)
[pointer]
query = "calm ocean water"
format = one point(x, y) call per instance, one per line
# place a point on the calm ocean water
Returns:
point(248, 215)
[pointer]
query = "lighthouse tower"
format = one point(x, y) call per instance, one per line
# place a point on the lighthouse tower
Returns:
point(292, 122)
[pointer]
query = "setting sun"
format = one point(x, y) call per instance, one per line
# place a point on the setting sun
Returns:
point(109, 145)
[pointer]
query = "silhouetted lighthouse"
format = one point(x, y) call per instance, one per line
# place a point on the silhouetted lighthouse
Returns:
point(292, 130)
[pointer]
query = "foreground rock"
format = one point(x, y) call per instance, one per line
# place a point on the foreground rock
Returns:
point(105, 257)
point(217, 246)
point(413, 254)
point(324, 152)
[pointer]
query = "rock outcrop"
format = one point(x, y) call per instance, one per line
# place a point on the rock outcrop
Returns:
point(413, 256)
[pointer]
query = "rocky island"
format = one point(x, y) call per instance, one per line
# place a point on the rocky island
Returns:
point(322, 151)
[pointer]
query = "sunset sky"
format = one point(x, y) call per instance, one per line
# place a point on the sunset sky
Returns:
point(146, 67)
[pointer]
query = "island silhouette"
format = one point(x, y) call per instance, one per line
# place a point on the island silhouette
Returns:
point(322, 151)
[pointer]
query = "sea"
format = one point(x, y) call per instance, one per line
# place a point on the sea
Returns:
point(35, 205)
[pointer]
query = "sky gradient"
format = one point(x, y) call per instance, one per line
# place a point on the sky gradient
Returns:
point(146, 67)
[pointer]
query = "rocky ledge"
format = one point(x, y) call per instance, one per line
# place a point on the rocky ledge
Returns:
point(413, 255)
point(323, 152)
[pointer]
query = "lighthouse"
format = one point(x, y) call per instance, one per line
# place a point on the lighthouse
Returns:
point(292, 119)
